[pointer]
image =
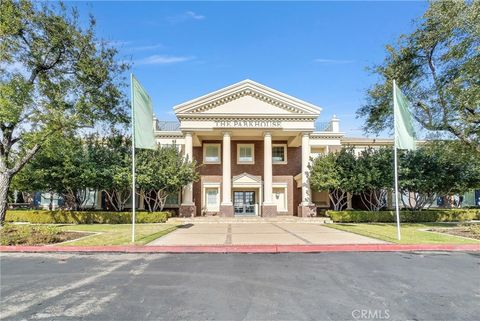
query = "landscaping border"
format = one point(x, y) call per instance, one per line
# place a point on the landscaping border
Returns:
point(307, 248)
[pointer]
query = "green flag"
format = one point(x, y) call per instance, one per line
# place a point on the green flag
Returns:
point(142, 114)
point(404, 131)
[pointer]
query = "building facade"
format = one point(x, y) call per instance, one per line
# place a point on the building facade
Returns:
point(253, 145)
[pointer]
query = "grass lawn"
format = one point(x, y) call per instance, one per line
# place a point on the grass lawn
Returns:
point(118, 234)
point(411, 233)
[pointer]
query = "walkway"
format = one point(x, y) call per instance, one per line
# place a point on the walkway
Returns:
point(260, 234)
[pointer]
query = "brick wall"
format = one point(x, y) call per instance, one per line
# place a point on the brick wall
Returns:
point(281, 172)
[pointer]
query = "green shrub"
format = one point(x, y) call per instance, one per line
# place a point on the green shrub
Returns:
point(84, 217)
point(433, 215)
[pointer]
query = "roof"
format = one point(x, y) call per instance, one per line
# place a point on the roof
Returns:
point(247, 88)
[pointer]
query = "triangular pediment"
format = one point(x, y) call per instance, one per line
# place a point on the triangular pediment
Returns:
point(246, 178)
point(247, 98)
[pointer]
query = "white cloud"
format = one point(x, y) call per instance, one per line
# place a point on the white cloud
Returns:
point(194, 15)
point(333, 61)
point(188, 15)
point(148, 47)
point(163, 60)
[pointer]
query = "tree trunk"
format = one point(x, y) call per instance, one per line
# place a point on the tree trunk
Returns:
point(5, 179)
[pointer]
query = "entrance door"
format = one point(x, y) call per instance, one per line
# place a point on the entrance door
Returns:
point(244, 203)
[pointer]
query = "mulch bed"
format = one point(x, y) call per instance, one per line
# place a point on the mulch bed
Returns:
point(11, 236)
point(472, 232)
point(68, 236)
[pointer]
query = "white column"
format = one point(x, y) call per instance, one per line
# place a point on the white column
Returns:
point(227, 171)
point(305, 159)
point(187, 197)
point(267, 168)
point(335, 124)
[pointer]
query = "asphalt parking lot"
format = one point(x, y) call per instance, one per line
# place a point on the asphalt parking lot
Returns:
point(322, 286)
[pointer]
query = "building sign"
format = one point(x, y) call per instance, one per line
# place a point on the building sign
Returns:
point(250, 123)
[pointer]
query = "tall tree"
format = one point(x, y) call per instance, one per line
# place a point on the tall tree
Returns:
point(334, 173)
point(163, 172)
point(373, 177)
point(439, 168)
point(55, 77)
point(114, 169)
point(437, 67)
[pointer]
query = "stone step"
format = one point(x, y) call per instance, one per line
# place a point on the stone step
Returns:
point(256, 219)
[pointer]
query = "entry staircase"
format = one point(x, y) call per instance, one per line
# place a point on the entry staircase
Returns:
point(249, 219)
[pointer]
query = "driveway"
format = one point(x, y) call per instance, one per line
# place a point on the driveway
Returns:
point(260, 233)
point(318, 286)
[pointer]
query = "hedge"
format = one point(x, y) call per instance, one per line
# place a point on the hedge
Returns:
point(84, 217)
point(440, 215)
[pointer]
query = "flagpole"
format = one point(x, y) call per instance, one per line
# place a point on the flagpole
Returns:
point(395, 161)
point(133, 161)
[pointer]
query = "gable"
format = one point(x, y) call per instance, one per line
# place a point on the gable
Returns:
point(247, 97)
point(246, 179)
point(247, 105)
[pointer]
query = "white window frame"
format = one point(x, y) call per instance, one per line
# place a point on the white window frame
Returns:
point(211, 186)
point(284, 152)
point(252, 146)
point(205, 153)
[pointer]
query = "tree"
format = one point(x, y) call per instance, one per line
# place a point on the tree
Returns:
point(439, 168)
point(65, 166)
point(114, 169)
point(437, 66)
point(333, 173)
point(55, 77)
point(163, 172)
point(373, 177)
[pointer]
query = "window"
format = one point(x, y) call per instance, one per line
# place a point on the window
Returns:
point(211, 153)
point(279, 153)
point(245, 154)
point(212, 199)
point(172, 199)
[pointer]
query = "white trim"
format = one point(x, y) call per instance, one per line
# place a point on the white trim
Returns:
point(279, 185)
point(285, 149)
point(302, 106)
point(285, 200)
point(239, 162)
point(206, 186)
point(257, 189)
point(218, 145)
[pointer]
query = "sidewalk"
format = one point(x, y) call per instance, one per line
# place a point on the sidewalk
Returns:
point(260, 233)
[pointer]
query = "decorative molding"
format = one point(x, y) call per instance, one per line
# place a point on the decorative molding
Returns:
point(257, 179)
point(246, 92)
point(164, 135)
point(247, 88)
point(286, 118)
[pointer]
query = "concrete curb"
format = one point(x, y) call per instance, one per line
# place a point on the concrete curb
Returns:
point(307, 248)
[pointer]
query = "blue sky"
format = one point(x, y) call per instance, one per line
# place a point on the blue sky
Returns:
point(315, 51)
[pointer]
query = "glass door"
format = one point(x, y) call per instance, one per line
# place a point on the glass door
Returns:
point(238, 203)
point(244, 203)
